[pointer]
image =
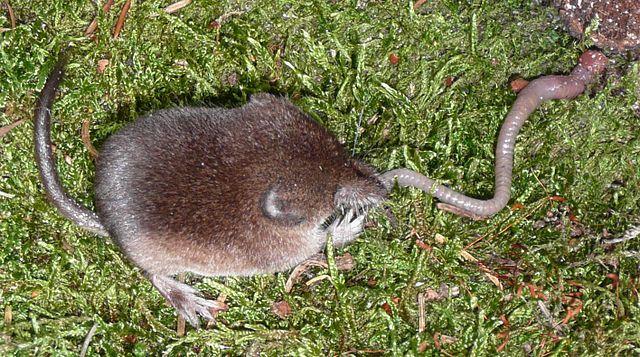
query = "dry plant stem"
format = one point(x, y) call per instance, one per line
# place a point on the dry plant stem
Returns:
point(12, 15)
point(121, 19)
point(418, 4)
point(316, 260)
point(344, 262)
point(94, 23)
point(86, 139)
point(8, 315)
point(6, 129)
point(176, 6)
point(87, 340)
point(542, 89)
point(223, 18)
point(421, 313)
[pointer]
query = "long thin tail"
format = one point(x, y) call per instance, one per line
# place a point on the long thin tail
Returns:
point(46, 163)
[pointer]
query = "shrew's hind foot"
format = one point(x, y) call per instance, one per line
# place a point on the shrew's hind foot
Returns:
point(186, 300)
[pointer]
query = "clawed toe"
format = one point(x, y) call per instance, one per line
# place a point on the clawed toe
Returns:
point(346, 228)
point(197, 306)
point(186, 301)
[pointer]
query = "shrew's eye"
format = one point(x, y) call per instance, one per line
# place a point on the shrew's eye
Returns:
point(362, 171)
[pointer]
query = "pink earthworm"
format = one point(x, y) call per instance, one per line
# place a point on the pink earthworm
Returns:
point(591, 64)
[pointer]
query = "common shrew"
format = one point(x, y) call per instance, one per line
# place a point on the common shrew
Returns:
point(250, 190)
point(217, 192)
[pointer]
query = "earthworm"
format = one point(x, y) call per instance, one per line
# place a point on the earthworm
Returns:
point(590, 65)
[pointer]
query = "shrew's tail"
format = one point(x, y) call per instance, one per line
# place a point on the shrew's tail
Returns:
point(46, 163)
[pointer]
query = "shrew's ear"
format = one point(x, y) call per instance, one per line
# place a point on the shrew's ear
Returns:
point(278, 209)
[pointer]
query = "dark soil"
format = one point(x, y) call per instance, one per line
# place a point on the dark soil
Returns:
point(612, 25)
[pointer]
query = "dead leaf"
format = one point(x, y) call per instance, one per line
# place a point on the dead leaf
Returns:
point(423, 346)
point(387, 308)
point(573, 311)
point(102, 65)
point(518, 84)
point(422, 245)
point(494, 279)
point(86, 139)
point(282, 309)
point(418, 4)
point(467, 256)
point(448, 81)
point(394, 59)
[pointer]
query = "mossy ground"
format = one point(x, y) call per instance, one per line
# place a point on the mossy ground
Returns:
point(438, 110)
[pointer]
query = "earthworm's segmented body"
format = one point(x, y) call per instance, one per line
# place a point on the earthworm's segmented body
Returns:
point(591, 64)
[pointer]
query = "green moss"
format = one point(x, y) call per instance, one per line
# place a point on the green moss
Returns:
point(57, 281)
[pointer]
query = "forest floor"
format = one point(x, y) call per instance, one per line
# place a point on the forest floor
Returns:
point(424, 86)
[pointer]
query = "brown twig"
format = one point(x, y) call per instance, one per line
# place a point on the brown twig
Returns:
point(94, 23)
point(86, 139)
point(421, 317)
point(8, 315)
point(344, 262)
point(217, 23)
point(176, 6)
point(300, 269)
point(12, 16)
point(121, 19)
point(7, 128)
point(107, 6)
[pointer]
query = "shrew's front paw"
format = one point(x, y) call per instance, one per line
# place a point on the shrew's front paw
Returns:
point(346, 228)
